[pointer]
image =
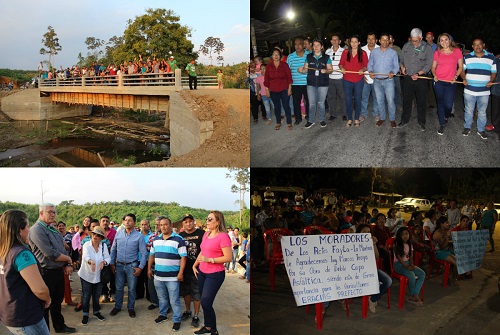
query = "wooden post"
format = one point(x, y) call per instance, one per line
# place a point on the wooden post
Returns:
point(178, 83)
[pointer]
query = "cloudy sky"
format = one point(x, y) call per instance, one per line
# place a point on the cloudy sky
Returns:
point(23, 23)
point(206, 188)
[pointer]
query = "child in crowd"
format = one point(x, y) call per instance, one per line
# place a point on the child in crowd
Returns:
point(261, 94)
point(403, 264)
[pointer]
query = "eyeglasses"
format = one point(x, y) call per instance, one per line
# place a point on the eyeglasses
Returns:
point(51, 212)
point(209, 219)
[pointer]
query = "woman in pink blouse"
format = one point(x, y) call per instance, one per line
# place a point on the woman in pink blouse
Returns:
point(447, 65)
point(215, 251)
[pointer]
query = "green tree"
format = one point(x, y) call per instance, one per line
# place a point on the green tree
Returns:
point(213, 45)
point(242, 178)
point(51, 43)
point(155, 33)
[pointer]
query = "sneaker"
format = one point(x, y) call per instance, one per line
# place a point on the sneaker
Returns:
point(85, 320)
point(482, 134)
point(441, 130)
point(309, 125)
point(176, 326)
point(195, 322)
point(466, 132)
point(323, 124)
point(422, 127)
point(402, 124)
point(186, 315)
point(99, 317)
point(203, 330)
point(160, 319)
point(490, 127)
point(372, 306)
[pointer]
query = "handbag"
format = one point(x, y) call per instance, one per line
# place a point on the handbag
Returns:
point(106, 270)
point(105, 275)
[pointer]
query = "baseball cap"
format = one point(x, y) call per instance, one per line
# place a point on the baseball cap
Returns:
point(187, 216)
point(171, 56)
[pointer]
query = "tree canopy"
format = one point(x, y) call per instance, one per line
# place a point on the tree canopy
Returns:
point(73, 214)
point(157, 32)
point(51, 42)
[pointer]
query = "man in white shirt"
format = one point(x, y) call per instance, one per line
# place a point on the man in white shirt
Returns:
point(368, 87)
point(335, 90)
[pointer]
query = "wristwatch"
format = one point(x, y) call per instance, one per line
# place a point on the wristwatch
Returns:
point(213, 260)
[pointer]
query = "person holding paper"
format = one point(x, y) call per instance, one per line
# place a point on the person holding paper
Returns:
point(443, 246)
point(384, 279)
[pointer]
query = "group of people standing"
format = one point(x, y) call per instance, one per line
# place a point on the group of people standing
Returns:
point(35, 261)
point(344, 78)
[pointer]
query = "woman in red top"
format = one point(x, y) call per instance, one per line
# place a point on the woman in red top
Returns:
point(353, 60)
point(381, 232)
point(278, 83)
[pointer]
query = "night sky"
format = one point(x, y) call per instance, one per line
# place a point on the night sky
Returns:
point(462, 21)
point(356, 182)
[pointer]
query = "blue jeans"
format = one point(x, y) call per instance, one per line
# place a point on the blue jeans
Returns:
point(385, 282)
point(349, 88)
point(281, 99)
point(317, 96)
point(267, 102)
point(125, 273)
point(168, 296)
point(90, 290)
point(248, 269)
point(414, 283)
point(469, 102)
point(209, 284)
point(234, 257)
point(445, 96)
point(367, 89)
point(39, 328)
point(384, 91)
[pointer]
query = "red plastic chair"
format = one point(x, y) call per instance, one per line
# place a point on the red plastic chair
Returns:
point(319, 312)
point(364, 299)
point(403, 280)
point(345, 231)
point(274, 254)
point(323, 230)
point(440, 263)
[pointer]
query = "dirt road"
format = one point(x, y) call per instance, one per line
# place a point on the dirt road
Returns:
point(232, 307)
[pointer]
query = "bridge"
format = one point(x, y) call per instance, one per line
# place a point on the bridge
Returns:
point(59, 98)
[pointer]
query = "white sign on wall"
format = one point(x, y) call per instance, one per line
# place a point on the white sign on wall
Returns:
point(330, 267)
point(469, 246)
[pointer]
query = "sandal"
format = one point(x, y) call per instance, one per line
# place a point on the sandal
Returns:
point(290, 127)
point(268, 122)
point(348, 125)
point(356, 123)
point(278, 126)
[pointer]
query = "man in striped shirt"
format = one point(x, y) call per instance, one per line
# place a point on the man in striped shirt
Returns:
point(299, 84)
point(168, 253)
point(335, 90)
point(479, 73)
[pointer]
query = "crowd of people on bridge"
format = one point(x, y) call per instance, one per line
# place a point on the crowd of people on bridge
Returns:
point(162, 266)
point(341, 79)
point(426, 233)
